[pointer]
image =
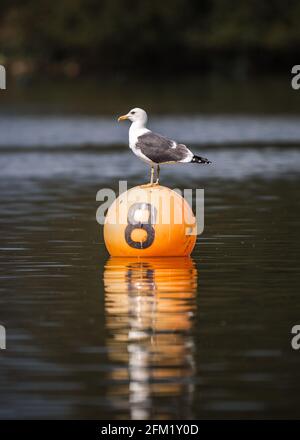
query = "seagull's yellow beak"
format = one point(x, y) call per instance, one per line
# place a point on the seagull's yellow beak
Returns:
point(122, 118)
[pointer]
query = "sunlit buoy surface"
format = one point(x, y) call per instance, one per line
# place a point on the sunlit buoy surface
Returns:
point(150, 222)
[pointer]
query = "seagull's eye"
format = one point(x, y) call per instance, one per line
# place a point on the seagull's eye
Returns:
point(132, 113)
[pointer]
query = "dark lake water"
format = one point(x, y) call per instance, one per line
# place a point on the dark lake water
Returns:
point(90, 336)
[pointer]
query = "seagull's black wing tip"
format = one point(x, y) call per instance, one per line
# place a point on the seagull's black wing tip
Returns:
point(199, 159)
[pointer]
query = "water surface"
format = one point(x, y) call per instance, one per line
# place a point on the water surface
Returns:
point(95, 337)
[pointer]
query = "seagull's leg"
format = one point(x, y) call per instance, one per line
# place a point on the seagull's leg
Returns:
point(151, 179)
point(152, 175)
point(157, 174)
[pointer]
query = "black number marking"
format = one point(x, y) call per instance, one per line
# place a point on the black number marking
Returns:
point(146, 226)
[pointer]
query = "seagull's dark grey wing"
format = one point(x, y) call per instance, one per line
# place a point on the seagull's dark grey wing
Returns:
point(160, 149)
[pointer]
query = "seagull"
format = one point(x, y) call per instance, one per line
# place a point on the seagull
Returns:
point(154, 148)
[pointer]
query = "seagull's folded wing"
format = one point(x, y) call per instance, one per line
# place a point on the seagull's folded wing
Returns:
point(160, 149)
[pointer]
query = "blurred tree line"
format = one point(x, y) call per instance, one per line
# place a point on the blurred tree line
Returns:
point(156, 36)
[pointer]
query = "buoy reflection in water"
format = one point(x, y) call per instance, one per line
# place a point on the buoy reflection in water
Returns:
point(150, 304)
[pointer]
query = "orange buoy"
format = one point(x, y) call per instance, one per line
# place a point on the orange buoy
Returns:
point(150, 222)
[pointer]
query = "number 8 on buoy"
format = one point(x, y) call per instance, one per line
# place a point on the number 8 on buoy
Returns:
point(134, 225)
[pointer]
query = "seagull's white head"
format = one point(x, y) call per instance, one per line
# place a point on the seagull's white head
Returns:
point(137, 115)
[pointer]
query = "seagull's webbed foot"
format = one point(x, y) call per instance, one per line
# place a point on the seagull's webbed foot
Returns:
point(147, 185)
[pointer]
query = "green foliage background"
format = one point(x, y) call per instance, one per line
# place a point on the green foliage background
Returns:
point(157, 35)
